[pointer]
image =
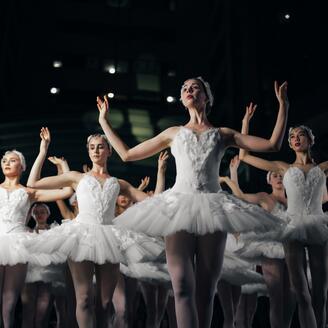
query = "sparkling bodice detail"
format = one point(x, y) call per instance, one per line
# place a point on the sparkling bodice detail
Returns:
point(197, 158)
point(304, 190)
point(14, 206)
point(96, 201)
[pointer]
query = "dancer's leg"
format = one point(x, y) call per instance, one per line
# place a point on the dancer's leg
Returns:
point(209, 259)
point(42, 304)
point(82, 274)
point(28, 298)
point(294, 252)
point(106, 278)
point(180, 251)
point(13, 283)
point(227, 301)
point(273, 273)
point(318, 259)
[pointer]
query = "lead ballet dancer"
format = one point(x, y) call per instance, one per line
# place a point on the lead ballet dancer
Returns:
point(195, 214)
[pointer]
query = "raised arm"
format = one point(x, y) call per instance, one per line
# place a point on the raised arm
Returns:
point(162, 165)
point(245, 156)
point(233, 184)
point(35, 172)
point(144, 183)
point(253, 143)
point(143, 150)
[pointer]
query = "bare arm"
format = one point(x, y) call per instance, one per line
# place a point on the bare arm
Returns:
point(65, 212)
point(129, 191)
point(35, 172)
point(253, 143)
point(162, 164)
point(69, 179)
point(143, 150)
point(276, 166)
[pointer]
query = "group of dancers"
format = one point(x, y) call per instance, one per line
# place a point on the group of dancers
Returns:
point(183, 244)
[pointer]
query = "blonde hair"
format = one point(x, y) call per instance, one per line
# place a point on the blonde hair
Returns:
point(98, 135)
point(306, 129)
point(20, 156)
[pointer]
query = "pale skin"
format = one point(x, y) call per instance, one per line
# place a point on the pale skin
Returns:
point(194, 289)
point(282, 302)
point(312, 313)
point(155, 297)
point(82, 272)
point(12, 277)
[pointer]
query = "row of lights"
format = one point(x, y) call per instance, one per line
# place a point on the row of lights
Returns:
point(111, 70)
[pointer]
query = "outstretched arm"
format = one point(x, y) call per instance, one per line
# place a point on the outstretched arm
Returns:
point(253, 143)
point(143, 150)
point(35, 172)
point(162, 164)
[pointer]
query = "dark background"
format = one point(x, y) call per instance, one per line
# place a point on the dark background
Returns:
point(239, 46)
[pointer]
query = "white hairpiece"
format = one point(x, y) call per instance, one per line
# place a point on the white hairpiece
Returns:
point(99, 135)
point(20, 156)
point(304, 128)
point(208, 90)
point(268, 176)
point(40, 205)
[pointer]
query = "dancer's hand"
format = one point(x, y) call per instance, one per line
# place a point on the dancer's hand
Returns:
point(223, 180)
point(45, 139)
point(234, 164)
point(281, 92)
point(103, 108)
point(250, 110)
point(162, 160)
point(144, 183)
point(58, 161)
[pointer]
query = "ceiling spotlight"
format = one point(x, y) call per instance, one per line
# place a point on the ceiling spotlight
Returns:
point(110, 95)
point(287, 16)
point(54, 90)
point(57, 63)
point(170, 99)
point(112, 70)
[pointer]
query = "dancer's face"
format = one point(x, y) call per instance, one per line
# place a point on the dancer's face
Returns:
point(276, 181)
point(193, 94)
point(40, 214)
point(11, 165)
point(98, 150)
point(299, 140)
point(123, 201)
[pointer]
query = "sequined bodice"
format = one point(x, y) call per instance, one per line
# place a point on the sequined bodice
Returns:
point(197, 158)
point(304, 190)
point(14, 206)
point(97, 202)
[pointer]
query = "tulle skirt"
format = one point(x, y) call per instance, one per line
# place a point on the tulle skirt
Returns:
point(80, 241)
point(198, 213)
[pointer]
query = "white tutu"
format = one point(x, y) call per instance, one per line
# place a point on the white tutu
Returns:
point(14, 206)
point(306, 221)
point(258, 251)
point(196, 202)
point(238, 272)
point(150, 272)
point(198, 213)
point(260, 289)
point(92, 236)
point(100, 244)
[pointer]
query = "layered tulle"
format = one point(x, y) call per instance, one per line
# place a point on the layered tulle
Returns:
point(198, 213)
point(79, 241)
